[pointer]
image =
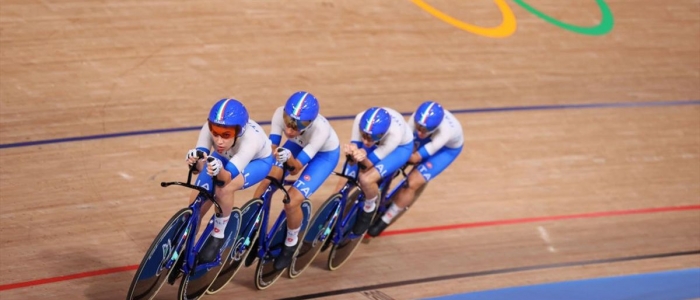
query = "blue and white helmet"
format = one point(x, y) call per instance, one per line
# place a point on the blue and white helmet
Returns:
point(429, 115)
point(375, 123)
point(303, 108)
point(229, 112)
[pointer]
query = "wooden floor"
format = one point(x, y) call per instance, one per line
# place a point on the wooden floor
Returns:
point(538, 195)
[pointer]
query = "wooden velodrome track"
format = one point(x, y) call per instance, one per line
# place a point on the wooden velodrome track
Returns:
point(553, 189)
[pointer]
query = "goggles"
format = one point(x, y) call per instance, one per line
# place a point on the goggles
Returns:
point(224, 132)
point(296, 125)
point(424, 130)
point(371, 137)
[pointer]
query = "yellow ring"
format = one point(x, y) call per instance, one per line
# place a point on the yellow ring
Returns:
point(506, 29)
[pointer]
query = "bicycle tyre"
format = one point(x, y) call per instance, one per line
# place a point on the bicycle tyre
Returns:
point(311, 246)
point(143, 287)
point(342, 251)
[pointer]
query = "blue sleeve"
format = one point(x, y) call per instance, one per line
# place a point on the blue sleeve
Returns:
point(232, 168)
point(373, 158)
point(303, 158)
point(358, 144)
point(423, 153)
point(276, 139)
point(205, 150)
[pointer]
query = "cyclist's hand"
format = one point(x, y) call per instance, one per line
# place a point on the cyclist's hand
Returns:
point(191, 157)
point(214, 166)
point(283, 155)
point(349, 148)
point(359, 155)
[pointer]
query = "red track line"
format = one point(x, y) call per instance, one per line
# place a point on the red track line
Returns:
point(66, 277)
point(388, 233)
point(542, 219)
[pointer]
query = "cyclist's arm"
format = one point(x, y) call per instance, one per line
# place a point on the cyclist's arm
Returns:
point(242, 158)
point(276, 128)
point(438, 140)
point(367, 164)
point(391, 142)
point(224, 176)
point(295, 166)
point(204, 144)
point(319, 136)
point(411, 124)
point(355, 137)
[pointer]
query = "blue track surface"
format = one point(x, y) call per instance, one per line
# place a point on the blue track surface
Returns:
point(670, 285)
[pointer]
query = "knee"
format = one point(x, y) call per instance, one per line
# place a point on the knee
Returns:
point(366, 180)
point(295, 199)
point(292, 207)
point(275, 172)
point(414, 186)
point(415, 182)
point(228, 189)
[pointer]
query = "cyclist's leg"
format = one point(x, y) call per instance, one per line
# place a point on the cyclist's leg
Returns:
point(252, 174)
point(256, 171)
point(313, 176)
point(369, 182)
point(276, 170)
point(427, 170)
point(205, 181)
point(351, 170)
point(224, 196)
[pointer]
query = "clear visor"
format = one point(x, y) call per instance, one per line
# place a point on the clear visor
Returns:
point(423, 130)
point(294, 124)
point(371, 137)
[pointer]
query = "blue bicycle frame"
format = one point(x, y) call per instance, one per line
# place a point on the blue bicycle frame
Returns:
point(344, 191)
point(191, 249)
point(263, 217)
point(404, 182)
point(267, 201)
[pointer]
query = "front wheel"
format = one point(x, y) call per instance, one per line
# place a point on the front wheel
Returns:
point(341, 251)
point(152, 272)
point(265, 273)
point(196, 283)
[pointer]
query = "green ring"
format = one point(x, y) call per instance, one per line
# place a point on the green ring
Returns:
point(606, 23)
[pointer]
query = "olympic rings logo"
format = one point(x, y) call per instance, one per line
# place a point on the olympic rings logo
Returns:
point(508, 25)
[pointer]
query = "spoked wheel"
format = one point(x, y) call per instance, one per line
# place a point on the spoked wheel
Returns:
point(243, 245)
point(151, 274)
point(342, 251)
point(195, 284)
point(266, 274)
point(318, 232)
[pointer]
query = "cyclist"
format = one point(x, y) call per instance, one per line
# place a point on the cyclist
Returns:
point(312, 148)
point(438, 142)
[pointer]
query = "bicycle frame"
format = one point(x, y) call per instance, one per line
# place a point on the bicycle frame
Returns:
point(352, 183)
point(388, 196)
point(344, 191)
point(263, 215)
point(192, 225)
